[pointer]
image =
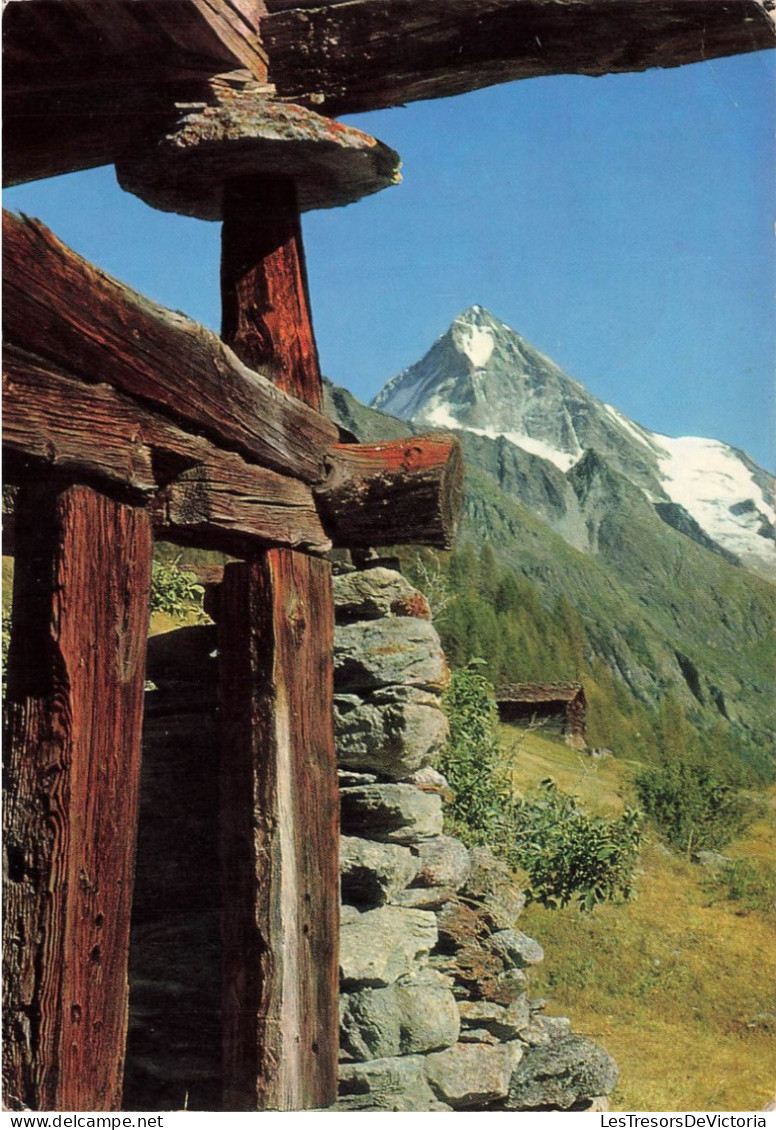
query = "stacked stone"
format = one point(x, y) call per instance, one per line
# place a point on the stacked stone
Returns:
point(434, 1010)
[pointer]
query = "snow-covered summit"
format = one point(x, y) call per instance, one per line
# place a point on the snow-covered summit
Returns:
point(483, 377)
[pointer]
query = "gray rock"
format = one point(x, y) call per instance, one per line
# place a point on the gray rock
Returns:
point(397, 1083)
point(429, 778)
point(374, 593)
point(544, 1030)
point(562, 1075)
point(477, 1036)
point(505, 1022)
point(370, 1023)
point(429, 1016)
point(391, 813)
point(713, 861)
point(393, 732)
point(381, 653)
point(373, 873)
point(471, 1075)
point(442, 862)
point(384, 944)
point(348, 914)
point(348, 779)
point(423, 898)
point(516, 948)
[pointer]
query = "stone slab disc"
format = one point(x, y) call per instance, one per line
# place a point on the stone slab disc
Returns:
point(243, 133)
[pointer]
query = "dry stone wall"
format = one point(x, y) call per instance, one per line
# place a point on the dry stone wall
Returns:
point(436, 1012)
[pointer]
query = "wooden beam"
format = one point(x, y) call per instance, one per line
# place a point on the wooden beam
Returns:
point(84, 79)
point(348, 55)
point(280, 798)
point(71, 38)
point(394, 493)
point(61, 308)
point(280, 832)
point(74, 709)
point(199, 495)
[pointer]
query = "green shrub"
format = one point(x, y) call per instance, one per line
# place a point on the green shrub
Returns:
point(569, 853)
point(565, 852)
point(472, 759)
point(175, 590)
point(691, 806)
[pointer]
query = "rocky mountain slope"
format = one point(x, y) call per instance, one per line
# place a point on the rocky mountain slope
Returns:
point(588, 513)
point(483, 377)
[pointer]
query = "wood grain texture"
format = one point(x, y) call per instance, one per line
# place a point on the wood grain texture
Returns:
point(406, 491)
point(280, 795)
point(198, 494)
point(73, 725)
point(266, 317)
point(62, 59)
point(369, 54)
point(280, 834)
point(63, 309)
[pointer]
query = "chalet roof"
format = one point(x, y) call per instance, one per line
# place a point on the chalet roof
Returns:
point(84, 80)
point(540, 692)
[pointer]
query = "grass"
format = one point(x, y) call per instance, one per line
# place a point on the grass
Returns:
point(679, 988)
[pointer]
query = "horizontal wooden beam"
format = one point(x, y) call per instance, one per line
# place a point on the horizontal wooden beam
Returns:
point(401, 492)
point(348, 55)
point(59, 307)
point(56, 426)
point(84, 79)
point(70, 37)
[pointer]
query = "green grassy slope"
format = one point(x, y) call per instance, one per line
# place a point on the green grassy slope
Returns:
point(679, 984)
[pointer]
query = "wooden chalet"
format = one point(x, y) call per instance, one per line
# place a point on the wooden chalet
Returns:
point(125, 422)
point(558, 707)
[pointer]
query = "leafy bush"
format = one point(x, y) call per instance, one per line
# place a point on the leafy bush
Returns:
point(472, 759)
point(691, 806)
point(569, 853)
point(565, 852)
point(175, 590)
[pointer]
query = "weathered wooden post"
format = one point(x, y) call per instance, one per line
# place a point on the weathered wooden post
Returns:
point(252, 164)
point(74, 710)
point(280, 799)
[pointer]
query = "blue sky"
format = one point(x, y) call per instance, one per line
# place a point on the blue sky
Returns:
point(623, 225)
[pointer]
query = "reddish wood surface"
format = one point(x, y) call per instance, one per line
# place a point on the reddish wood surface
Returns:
point(198, 494)
point(280, 795)
point(280, 834)
point(73, 714)
point(61, 308)
point(266, 318)
point(402, 491)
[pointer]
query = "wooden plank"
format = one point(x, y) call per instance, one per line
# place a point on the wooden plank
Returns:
point(54, 425)
point(398, 492)
point(368, 54)
point(63, 58)
point(74, 711)
point(266, 317)
point(280, 831)
point(59, 307)
point(280, 798)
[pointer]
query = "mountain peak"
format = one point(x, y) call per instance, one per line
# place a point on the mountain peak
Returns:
point(481, 376)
